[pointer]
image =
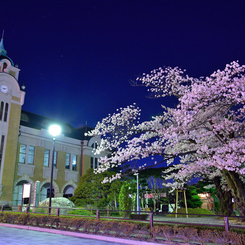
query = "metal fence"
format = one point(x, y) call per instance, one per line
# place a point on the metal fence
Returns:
point(143, 216)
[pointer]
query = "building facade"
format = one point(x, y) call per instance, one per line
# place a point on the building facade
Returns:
point(26, 145)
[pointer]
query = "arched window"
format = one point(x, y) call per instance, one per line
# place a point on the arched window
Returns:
point(68, 191)
point(24, 117)
point(18, 189)
point(45, 190)
point(94, 145)
point(5, 65)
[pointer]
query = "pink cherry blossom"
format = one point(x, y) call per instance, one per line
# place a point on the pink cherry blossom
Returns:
point(205, 131)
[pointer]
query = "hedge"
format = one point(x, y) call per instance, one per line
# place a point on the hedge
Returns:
point(123, 229)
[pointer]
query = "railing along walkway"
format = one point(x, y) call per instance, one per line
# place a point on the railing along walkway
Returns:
point(191, 219)
point(202, 220)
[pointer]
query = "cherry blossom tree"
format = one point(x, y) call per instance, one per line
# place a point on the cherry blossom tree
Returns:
point(205, 131)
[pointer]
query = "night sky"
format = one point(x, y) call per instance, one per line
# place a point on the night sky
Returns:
point(77, 57)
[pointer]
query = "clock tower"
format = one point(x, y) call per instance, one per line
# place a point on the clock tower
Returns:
point(11, 101)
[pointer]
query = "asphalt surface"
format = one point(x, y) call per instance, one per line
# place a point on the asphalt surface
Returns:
point(25, 235)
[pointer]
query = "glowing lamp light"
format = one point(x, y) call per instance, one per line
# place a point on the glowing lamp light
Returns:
point(54, 130)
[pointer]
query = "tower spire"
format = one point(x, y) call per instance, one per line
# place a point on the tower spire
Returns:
point(2, 49)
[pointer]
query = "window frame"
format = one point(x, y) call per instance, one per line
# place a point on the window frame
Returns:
point(68, 160)
point(31, 156)
point(46, 159)
point(23, 154)
point(74, 166)
point(94, 162)
point(26, 155)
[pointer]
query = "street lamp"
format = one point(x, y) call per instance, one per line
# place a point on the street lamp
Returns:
point(54, 130)
point(137, 197)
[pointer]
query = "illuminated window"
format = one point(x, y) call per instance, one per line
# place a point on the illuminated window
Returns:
point(22, 155)
point(26, 152)
point(74, 162)
point(46, 158)
point(31, 155)
point(67, 161)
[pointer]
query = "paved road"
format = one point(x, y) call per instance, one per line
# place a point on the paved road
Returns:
point(25, 236)
point(9, 235)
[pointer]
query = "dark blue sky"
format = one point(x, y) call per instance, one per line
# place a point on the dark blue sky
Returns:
point(77, 57)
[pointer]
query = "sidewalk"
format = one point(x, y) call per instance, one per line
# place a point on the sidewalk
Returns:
point(209, 221)
point(11, 234)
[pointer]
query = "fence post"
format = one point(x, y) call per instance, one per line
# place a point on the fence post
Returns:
point(226, 220)
point(97, 214)
point(151, 219)
point(58, 212)
point(108, 212)
point(27, 209)
point(2, 209)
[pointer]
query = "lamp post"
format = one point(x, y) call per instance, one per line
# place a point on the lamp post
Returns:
point(137, 197)
point(54, 130)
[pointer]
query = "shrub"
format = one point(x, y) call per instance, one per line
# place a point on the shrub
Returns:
point(80, 202)
point(198, 211)
point(125, 201)
point(103, 202)
point(166, 232)
point(41, 210)
point(216, 208)
point(80, 211)
point(7, 207)
point(141, 231)
point(114, 214)
point(193, 200)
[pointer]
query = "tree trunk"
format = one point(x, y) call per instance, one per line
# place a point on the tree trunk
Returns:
point(225, 198)
point(142, 200)
point(115, 201)
point(154, 204)
point(237, 188)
